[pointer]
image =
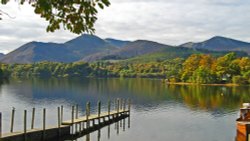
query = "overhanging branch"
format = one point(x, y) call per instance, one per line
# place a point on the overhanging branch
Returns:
point(5, 13)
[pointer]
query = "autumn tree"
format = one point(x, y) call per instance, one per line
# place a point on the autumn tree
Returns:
point(189, 66)
point(77, 16)
point(198, 69)
point(243, 65)
point(226, 68)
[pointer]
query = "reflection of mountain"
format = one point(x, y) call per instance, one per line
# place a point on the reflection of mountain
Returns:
point(144, 92)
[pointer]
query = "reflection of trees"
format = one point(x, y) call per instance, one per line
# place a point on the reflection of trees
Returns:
point(2, 81)
point(141, 91)
point(213, 97)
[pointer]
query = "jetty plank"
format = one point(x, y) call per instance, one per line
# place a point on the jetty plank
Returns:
point(93, 117)
point(63, 128)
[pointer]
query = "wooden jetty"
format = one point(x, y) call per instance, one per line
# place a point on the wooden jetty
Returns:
point(243, 124)
point(73, 127)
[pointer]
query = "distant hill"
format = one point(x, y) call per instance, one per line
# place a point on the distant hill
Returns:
point(220, 44)
point(118, 43)
point(70, 51)
point(176, 52)
point(92, 48)
point(85, 45)
point(143, 51)
point(2, 55)
point(37, 51)
point(132, 49)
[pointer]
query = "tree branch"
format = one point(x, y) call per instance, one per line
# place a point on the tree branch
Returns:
point(5, 13)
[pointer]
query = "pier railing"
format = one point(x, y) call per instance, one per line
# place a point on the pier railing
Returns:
point(74, 126)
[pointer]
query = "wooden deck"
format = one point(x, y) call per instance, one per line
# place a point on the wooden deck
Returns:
point(69, 127)
point(95, 117)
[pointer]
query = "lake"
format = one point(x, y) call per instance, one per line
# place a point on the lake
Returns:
point(159, 112)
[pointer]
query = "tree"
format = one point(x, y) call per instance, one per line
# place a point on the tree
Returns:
point(244, 64)
point(77, 16)
point(226, 68)
point(189, 66)
point(203, 75)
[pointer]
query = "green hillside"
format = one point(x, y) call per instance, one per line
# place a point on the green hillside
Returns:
point(176, 52)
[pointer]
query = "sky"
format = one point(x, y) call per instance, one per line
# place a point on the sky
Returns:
point(171, 22)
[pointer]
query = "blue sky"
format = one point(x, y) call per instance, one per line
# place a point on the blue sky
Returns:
point(166, 21)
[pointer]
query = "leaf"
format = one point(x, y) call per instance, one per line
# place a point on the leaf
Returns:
point(100, 5)
point(67, 13)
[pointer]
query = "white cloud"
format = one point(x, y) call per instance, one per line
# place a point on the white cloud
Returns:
point(166, 21)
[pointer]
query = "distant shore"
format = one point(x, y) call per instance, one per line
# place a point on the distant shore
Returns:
point(185, 83)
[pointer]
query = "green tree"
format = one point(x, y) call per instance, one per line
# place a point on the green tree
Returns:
point(203, 75)
point(189, 66)
point(77, 16)
point(226, 68)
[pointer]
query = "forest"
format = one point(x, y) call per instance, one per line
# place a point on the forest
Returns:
point(197, 68)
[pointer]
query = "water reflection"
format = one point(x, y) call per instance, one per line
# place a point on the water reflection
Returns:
point(212, 97)
point(142, 91)
point(88, 137)
point(108, 131)
point(205, 109)
point(99, 133)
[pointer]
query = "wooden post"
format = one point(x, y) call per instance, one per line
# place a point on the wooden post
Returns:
point(59, 121)
point(109, 110)
point(12, 120)
point(121, 104)
point(87, 114)
point(76, 117)
point(44, 122)
point(99, 111)
point(118, 104)
point(129, 105)
point(1, 125)
point(61, 114)
point(115, 108)
point(77, 111)
point(73, 113)
point(80, 127)
point(72, 118)
point(124, 105)
point(25, 125)
point(33, 118)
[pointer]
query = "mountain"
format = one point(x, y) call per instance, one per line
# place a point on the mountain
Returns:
point(2, 55)
point(176, 52)
point(92, 48)
point(118, 43)
point(219, 43)
point(85, 45)
point(38, 51)
point(132, 49)
point(70, 51)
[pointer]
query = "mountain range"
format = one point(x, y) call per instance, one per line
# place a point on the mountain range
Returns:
point(218, 43)
point(91, 48)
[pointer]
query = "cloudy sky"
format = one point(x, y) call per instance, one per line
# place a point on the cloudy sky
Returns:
point(166, 21)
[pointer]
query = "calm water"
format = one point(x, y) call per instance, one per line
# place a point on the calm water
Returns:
point(159, 112)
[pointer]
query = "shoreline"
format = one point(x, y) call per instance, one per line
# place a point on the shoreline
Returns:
point(214, 84)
